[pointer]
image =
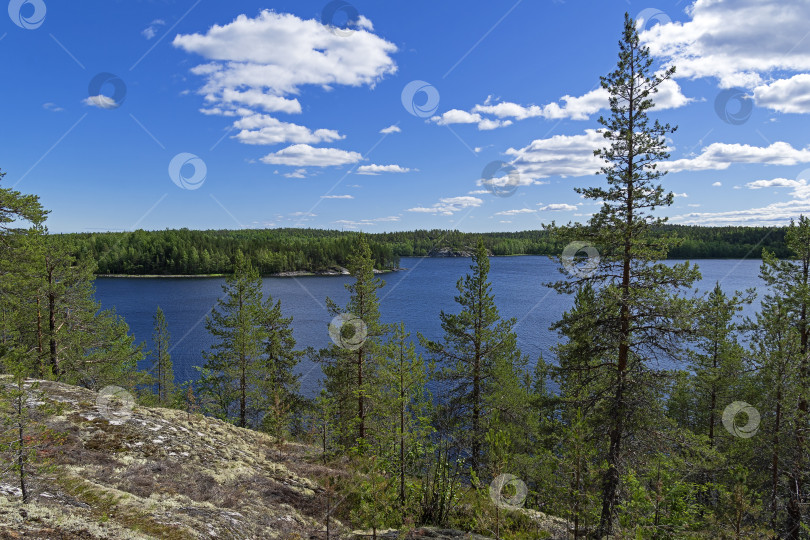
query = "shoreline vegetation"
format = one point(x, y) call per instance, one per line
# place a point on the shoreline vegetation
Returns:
point(297, 273)
point(317, 252)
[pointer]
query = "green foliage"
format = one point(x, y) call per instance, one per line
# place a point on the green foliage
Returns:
point(248, 372)
point(187, 252)
point(161, 369)
point(351, 365)
point(481, 365)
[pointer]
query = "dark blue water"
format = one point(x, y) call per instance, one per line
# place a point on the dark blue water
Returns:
point(415, 295)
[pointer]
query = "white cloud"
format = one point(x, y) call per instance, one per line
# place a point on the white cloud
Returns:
point(261, 63)
point(52, 107)
point(558, 207)
point(717, 184)
point(304, 155)
point(151, 31)
point(719, 156)
point(449, 205)
point(377, 169)
point(264, 129)
point(560, 155)
point(391, 129)
point(101, 101)
point(776, 182)
point(684, 195)
point(457, 116)
point(297, 173)
point(516, 212)
point(337, 197)
point(735, 41)
point(786, 95)
point(354, 224)
point(278, 52)
point(669, 96)
point(772, 214)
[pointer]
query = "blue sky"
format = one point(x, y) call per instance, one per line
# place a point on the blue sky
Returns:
point(204, 114)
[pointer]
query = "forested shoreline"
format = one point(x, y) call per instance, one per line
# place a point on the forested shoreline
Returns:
point(276, 251)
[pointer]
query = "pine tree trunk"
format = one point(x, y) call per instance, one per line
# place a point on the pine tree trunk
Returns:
point(775, 458)
point(361, 413)
point(52, 335)
point(21, 447)
point(794, 515)
point(401, 428)
point(611, 481)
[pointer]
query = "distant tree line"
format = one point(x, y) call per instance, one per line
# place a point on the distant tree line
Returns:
point(271, 251)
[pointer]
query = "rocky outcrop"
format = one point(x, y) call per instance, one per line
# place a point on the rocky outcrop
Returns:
point(160, 473)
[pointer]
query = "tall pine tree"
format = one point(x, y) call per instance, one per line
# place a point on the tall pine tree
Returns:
point(643, 315)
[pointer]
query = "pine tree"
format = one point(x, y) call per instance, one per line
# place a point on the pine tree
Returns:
point(162, 369)
point(642, 314)
point(278, 391)
point(228, 375)
point(717, 359)
point(790, 281)
point(350, 366)
point(776, 354)
point(406, 402)
point(479, 359)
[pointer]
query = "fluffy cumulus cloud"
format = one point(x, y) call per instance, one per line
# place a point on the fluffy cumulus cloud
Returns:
point(560, 155)
point(266, 130)
point(373, 169)
point(448, 206)
point(719, 156)
point(741, 43)
point(101, 101)
point(494, 114)
point(572, 155)
point(786, 95)
point(304, 155)
point(297, 173)
point(771, 214)
point(257, 65)
point(558, 207)
point(457, 116)
point(391, 129)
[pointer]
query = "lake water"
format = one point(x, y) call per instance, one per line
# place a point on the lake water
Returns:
point(415, 295)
